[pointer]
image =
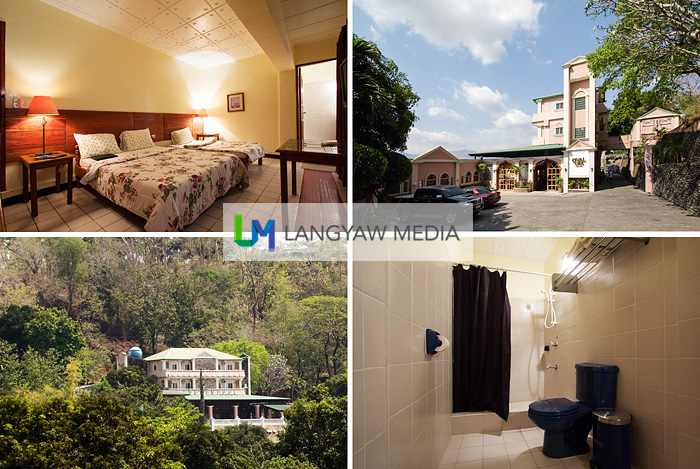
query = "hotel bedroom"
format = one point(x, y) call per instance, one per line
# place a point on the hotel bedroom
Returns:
point(224, 71)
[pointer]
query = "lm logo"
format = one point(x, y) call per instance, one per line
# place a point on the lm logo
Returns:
point(256, 231)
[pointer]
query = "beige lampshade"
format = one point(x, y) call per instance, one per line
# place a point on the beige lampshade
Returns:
point(203, 113)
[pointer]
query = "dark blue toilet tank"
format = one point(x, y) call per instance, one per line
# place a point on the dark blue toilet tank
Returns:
point(596, 384)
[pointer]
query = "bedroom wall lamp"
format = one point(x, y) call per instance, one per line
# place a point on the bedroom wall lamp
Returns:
point(42, 106)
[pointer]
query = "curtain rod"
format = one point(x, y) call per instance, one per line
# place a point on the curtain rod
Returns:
point(514, 270)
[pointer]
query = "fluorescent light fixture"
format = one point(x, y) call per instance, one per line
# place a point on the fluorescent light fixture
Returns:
point(206, 59)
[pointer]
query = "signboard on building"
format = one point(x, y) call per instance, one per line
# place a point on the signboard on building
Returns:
point(579, 164)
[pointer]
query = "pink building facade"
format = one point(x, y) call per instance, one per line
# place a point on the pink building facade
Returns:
point(440, 167)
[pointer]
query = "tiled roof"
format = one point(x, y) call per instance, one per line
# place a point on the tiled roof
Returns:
point(190, 353)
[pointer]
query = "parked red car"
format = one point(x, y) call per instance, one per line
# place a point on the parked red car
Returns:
point(488, 196)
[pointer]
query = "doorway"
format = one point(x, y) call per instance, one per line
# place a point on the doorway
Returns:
point(545, 176)
point(316, 101)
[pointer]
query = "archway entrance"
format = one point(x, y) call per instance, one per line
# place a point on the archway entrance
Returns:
point(545, 176)
point(507, 176)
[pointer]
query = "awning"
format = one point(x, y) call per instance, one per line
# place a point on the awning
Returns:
point(531, 151)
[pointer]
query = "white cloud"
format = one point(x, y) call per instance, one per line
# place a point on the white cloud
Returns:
point(420, 141)
point(440, 108)
point(482, 97)
point(513, 118)
point(481, 27)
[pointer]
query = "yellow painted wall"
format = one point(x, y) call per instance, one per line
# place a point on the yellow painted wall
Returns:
point(84, 66)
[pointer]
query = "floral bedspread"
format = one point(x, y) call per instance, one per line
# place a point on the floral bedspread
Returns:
point(252, 150)
point(169, 187)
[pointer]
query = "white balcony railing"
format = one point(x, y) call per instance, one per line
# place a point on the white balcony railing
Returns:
point(261, 422)
point(216, 391)
point(205, 374)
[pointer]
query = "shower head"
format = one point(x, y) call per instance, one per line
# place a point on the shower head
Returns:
point(544, 291)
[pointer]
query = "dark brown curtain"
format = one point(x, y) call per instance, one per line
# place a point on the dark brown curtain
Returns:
point(481, 367)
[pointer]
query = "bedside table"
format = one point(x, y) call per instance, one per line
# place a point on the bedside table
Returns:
point(203, 136)
point(29, 166)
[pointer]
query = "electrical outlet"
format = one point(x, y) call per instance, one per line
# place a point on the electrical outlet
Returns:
point(15, 103)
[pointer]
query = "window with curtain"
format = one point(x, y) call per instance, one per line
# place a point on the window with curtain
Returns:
point(481, 346)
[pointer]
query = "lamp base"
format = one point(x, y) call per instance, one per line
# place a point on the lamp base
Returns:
point(46, 153)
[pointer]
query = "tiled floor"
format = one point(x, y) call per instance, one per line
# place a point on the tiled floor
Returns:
point(90, 212)
point(512, 449)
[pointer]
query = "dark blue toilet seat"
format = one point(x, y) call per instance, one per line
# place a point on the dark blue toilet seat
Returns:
point(554, 408)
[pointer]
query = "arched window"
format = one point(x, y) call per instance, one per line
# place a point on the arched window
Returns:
point(477, 176)
point(468, 177)
point(444, 179)
point(430, 180)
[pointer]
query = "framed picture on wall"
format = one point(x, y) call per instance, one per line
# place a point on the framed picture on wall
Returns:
point(235, 102)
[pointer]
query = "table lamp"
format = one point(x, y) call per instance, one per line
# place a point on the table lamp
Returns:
point(203, 113)
point(42, 106)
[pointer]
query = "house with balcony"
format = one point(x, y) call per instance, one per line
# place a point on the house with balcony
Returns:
point(571, 136)
point(219, 379)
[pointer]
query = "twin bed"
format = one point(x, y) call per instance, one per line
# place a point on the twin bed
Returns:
point(168, 186)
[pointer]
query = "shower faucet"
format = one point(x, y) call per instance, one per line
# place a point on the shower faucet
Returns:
point(552, 366)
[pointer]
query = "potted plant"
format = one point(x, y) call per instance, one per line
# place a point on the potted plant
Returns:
point(559, 181)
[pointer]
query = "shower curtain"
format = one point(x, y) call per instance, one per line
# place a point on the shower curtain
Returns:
point(481, 361)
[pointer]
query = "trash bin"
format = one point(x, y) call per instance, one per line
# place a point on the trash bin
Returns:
point(611, 439)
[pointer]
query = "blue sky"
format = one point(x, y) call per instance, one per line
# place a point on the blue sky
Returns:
point(477, 64)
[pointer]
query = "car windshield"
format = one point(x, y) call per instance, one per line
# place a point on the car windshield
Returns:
point(482, 190)
point(450, 191)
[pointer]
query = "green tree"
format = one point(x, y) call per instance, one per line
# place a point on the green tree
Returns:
point(655, 41)
point(317, 429)
point(134, 389)
point(259, 357)
point(13, 326)
point(69, 255)
point(383, 104)
point(53, 329)
point(398, 169)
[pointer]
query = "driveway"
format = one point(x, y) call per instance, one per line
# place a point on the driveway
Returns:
point(617, 206)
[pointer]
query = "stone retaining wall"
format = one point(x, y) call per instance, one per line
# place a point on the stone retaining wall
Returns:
point(679, 183)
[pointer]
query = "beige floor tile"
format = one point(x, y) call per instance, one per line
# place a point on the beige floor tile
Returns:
point(88, 227)
point(20, 224)
point(76, 222)
point(55, 223)
point(107, 219)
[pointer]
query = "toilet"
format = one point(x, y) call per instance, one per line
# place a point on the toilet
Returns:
point(566, 424)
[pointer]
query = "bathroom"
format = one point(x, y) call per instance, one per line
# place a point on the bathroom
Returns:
point(637, 309)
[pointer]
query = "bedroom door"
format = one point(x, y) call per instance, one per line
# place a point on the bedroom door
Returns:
point(316, 101)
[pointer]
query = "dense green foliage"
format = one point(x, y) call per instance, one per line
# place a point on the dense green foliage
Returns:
point(290, 318)
point(102, 433)
point(159, 293)
point(654, 41)
point(651, 53)
point(317, 429)
point(383, 107)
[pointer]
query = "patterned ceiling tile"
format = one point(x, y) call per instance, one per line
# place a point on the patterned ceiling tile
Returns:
point(216, 3)
point(231, 43)
point(62, 4)
point(168, 3)
point(227, 14)
point(220, 34)
point(164, 43)
point(140, 9)
point(166, 21)
point(198, 43)
point(145, 34)
point(207, 22)
point(184, 33)
point(189, 10)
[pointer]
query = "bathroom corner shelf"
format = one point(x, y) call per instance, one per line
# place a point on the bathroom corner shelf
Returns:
point(586, 254)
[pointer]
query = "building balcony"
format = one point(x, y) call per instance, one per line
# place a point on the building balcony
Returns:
point(209, 391)
point(211, 374)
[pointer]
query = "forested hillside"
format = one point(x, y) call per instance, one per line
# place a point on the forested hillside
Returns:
point(89, 299)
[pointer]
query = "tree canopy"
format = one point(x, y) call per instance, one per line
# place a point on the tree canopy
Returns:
point(654, 41)
point(383, 107)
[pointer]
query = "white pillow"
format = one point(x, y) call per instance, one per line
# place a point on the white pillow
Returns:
point(182, 136)
point(136, 139)
point(96, 144)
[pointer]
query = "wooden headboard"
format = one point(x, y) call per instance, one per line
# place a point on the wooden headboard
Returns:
point(23, 134)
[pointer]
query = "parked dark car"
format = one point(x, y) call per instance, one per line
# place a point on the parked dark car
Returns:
point(444, 195)
point(488, 196)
